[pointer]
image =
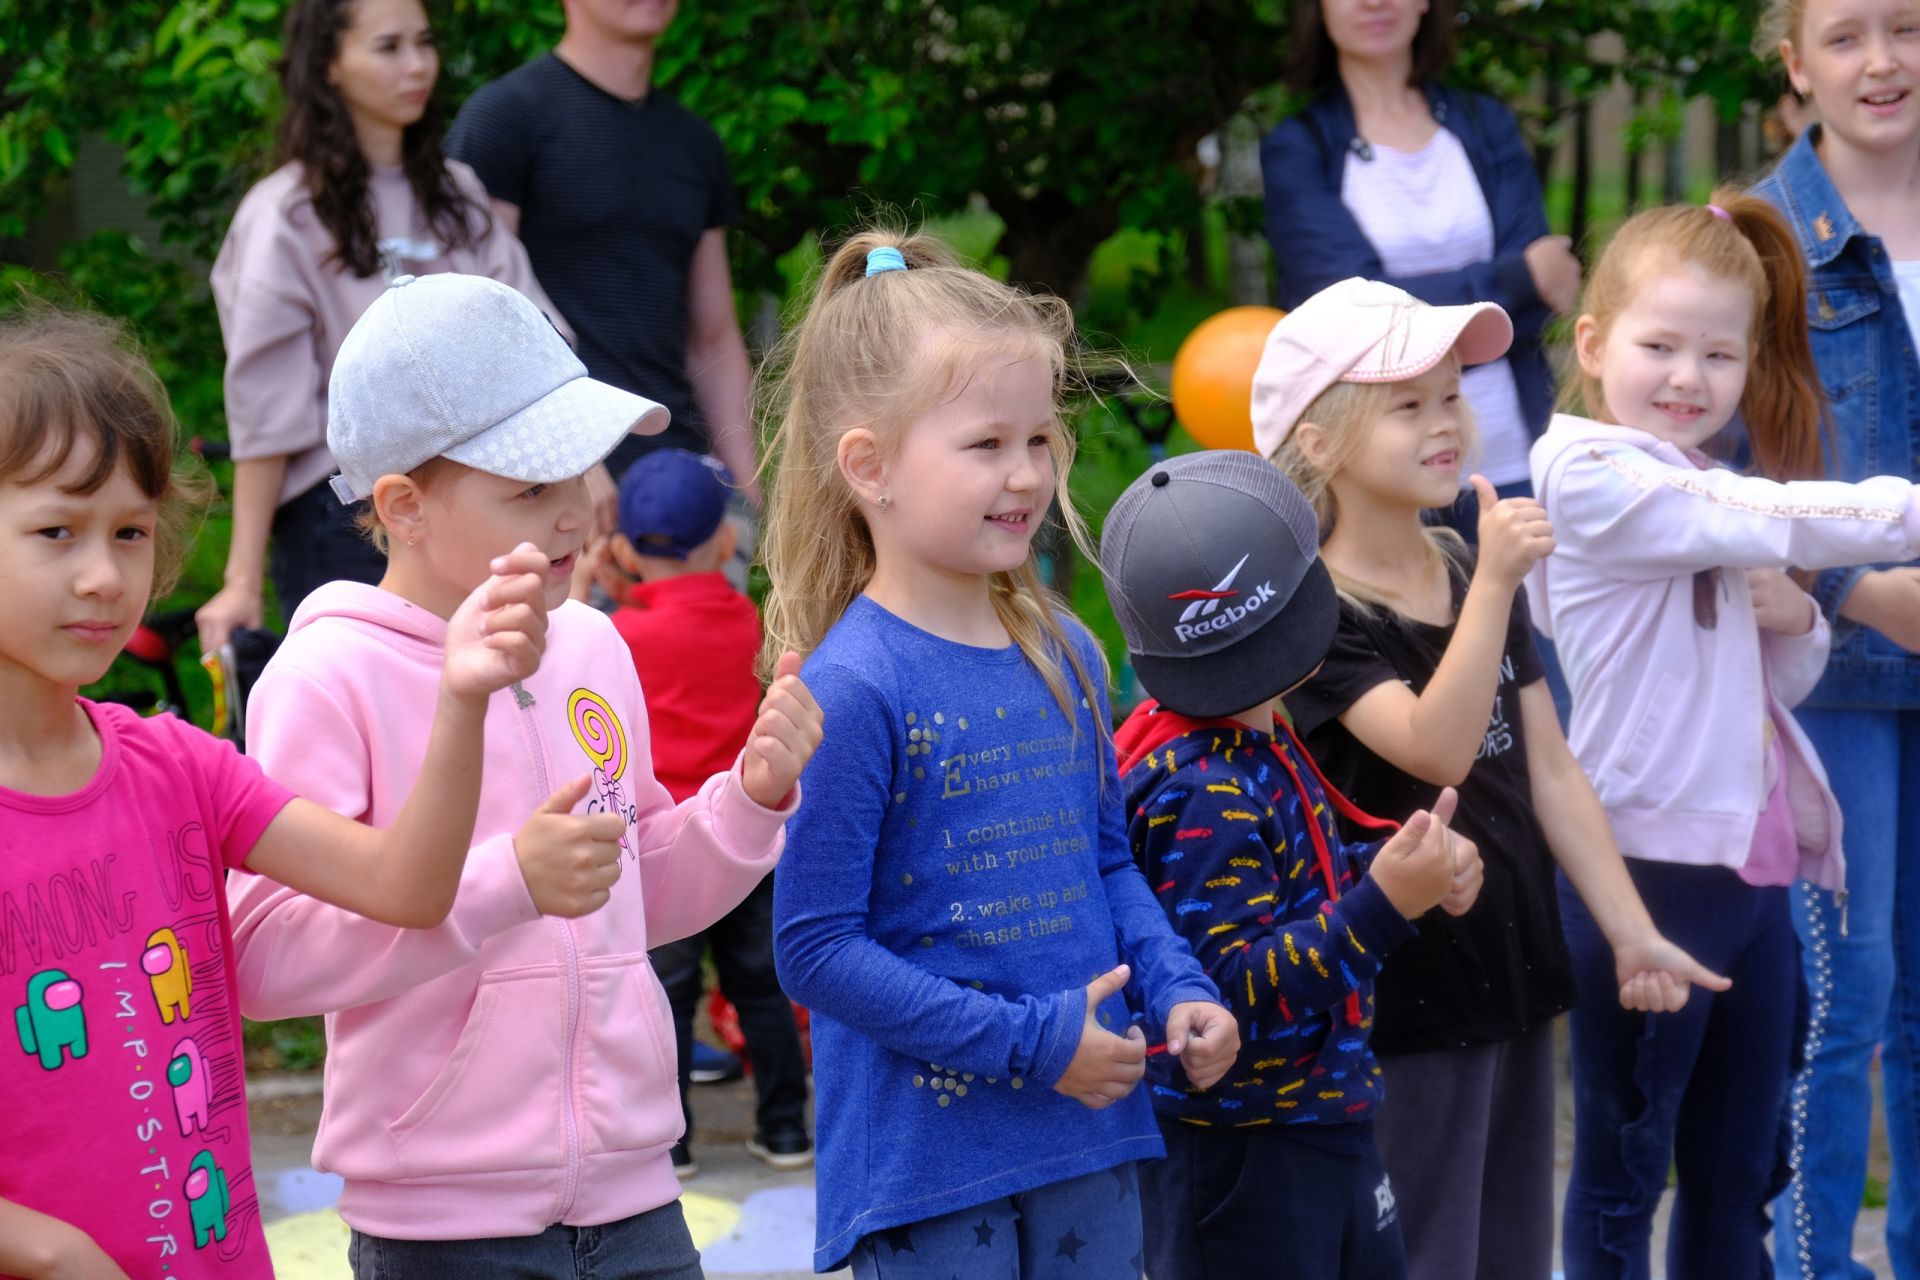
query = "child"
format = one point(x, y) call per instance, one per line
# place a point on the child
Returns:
point(500, 1089)
point(1686, 645)
point(1847, 189)
point(1433, 681)
point(126, 1136)
point(957, 888)
point(694, 641)
point(1211, 563)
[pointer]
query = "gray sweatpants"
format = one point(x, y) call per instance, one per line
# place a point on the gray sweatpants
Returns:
point(1467, 1138)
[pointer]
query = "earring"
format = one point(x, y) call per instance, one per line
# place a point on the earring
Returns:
point(412, 538)
point(883, 502)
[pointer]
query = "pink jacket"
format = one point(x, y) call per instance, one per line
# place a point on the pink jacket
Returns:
point(1669, 711)
point(504, 1071)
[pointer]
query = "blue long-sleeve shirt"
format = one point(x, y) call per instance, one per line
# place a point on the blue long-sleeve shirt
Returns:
point(957, 873)
point(1238, 840)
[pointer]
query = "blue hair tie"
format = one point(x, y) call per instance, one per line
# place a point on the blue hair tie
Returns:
point(885, 258)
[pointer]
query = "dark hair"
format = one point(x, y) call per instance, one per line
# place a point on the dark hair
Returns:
point(70, 380)
point(1315, 63)
point(316, 131)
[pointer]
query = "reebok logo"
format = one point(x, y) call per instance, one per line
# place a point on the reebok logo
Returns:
point(1205, 602)
point(1234, 613)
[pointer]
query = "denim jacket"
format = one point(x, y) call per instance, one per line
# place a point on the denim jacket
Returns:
point(1865, 353)
point(1316, 241)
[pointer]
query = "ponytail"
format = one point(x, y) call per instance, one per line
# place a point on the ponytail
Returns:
point(1742, 238)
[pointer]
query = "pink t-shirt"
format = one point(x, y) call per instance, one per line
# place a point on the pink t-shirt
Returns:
point(1774, 857)
point(121, 1065)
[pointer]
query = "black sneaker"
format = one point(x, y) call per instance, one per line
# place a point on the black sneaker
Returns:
point(684, 1165)
point(785, 1149)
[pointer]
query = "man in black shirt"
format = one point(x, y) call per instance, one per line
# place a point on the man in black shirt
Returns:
point(622, 197)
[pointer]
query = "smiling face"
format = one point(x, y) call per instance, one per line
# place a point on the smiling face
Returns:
point(75, 571)
point(1859, 60)
point(973, 476)
point(1413, 449)
point(1673, 362)
point(386, 63)
point(467, 517)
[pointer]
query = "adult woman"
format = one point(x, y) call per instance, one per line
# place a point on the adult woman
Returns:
point(362, 195)
point(1391, 175)
point(1849, 186)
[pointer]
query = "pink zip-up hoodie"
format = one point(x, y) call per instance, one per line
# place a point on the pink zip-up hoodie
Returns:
point(504, 1071)
point(1670, 692)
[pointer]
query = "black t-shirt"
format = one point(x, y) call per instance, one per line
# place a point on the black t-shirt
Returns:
point(1503, 968)
point(614, 196)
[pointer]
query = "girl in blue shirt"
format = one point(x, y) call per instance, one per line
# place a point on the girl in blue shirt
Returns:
point(957, 904)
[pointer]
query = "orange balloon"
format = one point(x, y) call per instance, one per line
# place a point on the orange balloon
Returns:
point(1213, 376)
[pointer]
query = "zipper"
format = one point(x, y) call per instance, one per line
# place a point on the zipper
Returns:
point(536, 749)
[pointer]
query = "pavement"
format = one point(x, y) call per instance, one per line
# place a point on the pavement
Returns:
point(749, 1222)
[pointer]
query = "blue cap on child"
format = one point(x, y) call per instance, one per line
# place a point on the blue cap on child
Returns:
point(672, 501)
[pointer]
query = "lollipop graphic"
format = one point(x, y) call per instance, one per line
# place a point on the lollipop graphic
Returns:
point(598, 732)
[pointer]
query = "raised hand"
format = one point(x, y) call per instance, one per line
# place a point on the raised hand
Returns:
point(784, 737)
point(498, 633)
point(1468, 871)
point(1415, 868)
point(1888, 600)
point(1515, 534)
point(1206, 1039)
point(1555, 271)
point(569, 861)
point(1655, 975)
point(1105, 1067)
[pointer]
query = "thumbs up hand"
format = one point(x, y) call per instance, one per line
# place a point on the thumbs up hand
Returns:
point(1105, 1067)
point(569, 860)
point(1515, 534)
point(784, 737)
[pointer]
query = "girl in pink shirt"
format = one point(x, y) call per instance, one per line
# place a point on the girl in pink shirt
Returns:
point(126, 1135)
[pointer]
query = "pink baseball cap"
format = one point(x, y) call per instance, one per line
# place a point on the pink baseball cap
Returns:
point(1362, 331)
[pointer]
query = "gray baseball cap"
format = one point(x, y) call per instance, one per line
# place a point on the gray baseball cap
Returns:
point(1212, 562)
point(467, 368)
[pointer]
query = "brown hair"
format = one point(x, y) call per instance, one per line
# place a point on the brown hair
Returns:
point(1783, 405)
point(1315, 64)
point(878, 352)
point(71, 380)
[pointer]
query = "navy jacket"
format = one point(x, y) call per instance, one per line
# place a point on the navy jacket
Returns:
point(1235, 831)
point(1864, 350)
point(1316, 242)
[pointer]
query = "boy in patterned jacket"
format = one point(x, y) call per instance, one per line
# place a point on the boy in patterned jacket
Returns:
point(1212, 563)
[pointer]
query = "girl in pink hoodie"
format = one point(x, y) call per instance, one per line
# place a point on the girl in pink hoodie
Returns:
point(501, 1091)
point(1686, 643)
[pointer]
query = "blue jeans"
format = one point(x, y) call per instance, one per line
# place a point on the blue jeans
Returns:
point(654, 1245)
point(1702, 1091)
point(1865, 990)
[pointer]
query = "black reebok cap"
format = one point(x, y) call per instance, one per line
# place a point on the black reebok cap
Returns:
point(1212, 562)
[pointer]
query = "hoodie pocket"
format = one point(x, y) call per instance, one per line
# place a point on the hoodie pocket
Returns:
point(1643, 766)
point(495, 1104)
point(627, 1073)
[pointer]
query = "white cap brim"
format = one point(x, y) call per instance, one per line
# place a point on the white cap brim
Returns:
point(563, 434)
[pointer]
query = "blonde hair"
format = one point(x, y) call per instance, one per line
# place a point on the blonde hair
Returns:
point(1779, 20)
point(1782, 404)
point(1346, 414)
point(878, 352)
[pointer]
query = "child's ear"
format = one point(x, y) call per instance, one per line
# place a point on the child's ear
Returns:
point(1311, 439)
point(620, 547)
point(862, 465)
point(1586, 345)
point(397, 501)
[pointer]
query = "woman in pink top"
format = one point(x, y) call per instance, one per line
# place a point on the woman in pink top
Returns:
point(362, 195)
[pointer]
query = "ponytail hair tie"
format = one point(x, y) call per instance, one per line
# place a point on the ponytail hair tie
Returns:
point(1713, 209)
point(885, 258)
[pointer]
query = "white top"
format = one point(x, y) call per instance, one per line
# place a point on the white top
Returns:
point(1423, 211)
point(1907, 276)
